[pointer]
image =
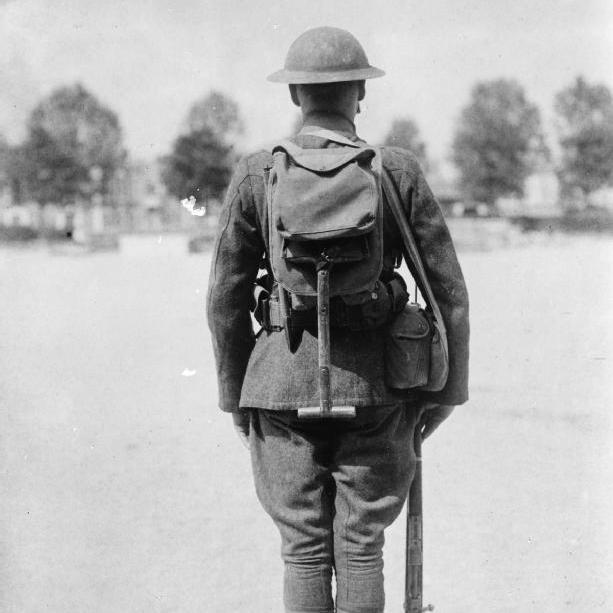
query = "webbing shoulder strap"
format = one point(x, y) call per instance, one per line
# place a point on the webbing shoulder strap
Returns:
point(323, 160)
point(328, 135)
point(409, 243)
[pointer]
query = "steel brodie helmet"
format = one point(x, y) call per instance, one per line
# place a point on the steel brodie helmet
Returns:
point(325, 55)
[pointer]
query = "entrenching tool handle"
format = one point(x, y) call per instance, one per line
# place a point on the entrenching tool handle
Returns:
point(414, 545)
point(323, 342)
point(323, 335)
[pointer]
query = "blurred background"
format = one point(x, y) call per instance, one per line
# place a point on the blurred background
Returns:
point(123, 488)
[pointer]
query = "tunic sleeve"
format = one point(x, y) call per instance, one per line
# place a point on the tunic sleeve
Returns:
point(445, 275)
point(234, 266)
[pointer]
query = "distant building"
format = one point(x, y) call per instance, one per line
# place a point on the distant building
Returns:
point(602, 198)
point(20, 215)
point(541, 197)
point(144, 203)
point(443, 184)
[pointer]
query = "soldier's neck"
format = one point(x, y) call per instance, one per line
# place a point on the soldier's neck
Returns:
point(331, 120)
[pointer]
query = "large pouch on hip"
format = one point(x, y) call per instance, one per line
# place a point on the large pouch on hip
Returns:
point(415, 353)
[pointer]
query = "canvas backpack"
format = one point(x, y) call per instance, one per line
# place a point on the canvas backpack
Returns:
point(325, 236)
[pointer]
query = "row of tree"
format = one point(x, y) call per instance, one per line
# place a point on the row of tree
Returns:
point(74, 149)
point(499, 140)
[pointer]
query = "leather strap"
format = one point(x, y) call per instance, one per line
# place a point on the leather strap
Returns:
point(411, 251)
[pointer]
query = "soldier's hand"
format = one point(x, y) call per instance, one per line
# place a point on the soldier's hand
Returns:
point(432, 417)
point(241, 425)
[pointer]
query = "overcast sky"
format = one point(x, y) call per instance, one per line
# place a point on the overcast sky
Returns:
point(150, 59)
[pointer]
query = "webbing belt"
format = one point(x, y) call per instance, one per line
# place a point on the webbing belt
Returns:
point(353, 317)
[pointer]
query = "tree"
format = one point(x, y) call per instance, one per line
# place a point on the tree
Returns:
point(73, 147)
point(498, 140)
point(585, 127)
point(202, 157)
point(200, 165)
point(405, 133)
point(217, 113)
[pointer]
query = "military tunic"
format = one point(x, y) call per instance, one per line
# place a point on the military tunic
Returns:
point(260, 371)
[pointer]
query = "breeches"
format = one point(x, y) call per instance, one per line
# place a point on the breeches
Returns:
point(332, 487)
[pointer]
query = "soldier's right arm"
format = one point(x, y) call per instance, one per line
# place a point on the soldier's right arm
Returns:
point(234, 266)
point(442, 268)
point(447, 281)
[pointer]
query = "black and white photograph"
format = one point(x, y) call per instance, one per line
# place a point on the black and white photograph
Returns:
point(306, 306)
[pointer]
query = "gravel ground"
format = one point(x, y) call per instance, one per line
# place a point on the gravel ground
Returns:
point(124, 489)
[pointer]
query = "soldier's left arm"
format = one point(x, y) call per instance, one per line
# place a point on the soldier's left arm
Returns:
point(445, 275)
point(234, 266)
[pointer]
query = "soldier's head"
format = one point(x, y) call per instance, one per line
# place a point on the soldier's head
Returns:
point(326, 69)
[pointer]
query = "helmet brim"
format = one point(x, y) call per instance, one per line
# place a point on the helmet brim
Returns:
point(298, 77)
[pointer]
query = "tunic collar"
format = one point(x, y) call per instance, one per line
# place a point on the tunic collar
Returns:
point(331, 121)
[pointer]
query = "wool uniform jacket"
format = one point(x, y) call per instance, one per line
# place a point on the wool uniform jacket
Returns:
point(260, 371)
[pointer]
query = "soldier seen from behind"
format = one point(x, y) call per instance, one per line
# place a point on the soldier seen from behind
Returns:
point(328, 393)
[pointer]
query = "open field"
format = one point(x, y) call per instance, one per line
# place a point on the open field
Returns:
point(124, 490)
